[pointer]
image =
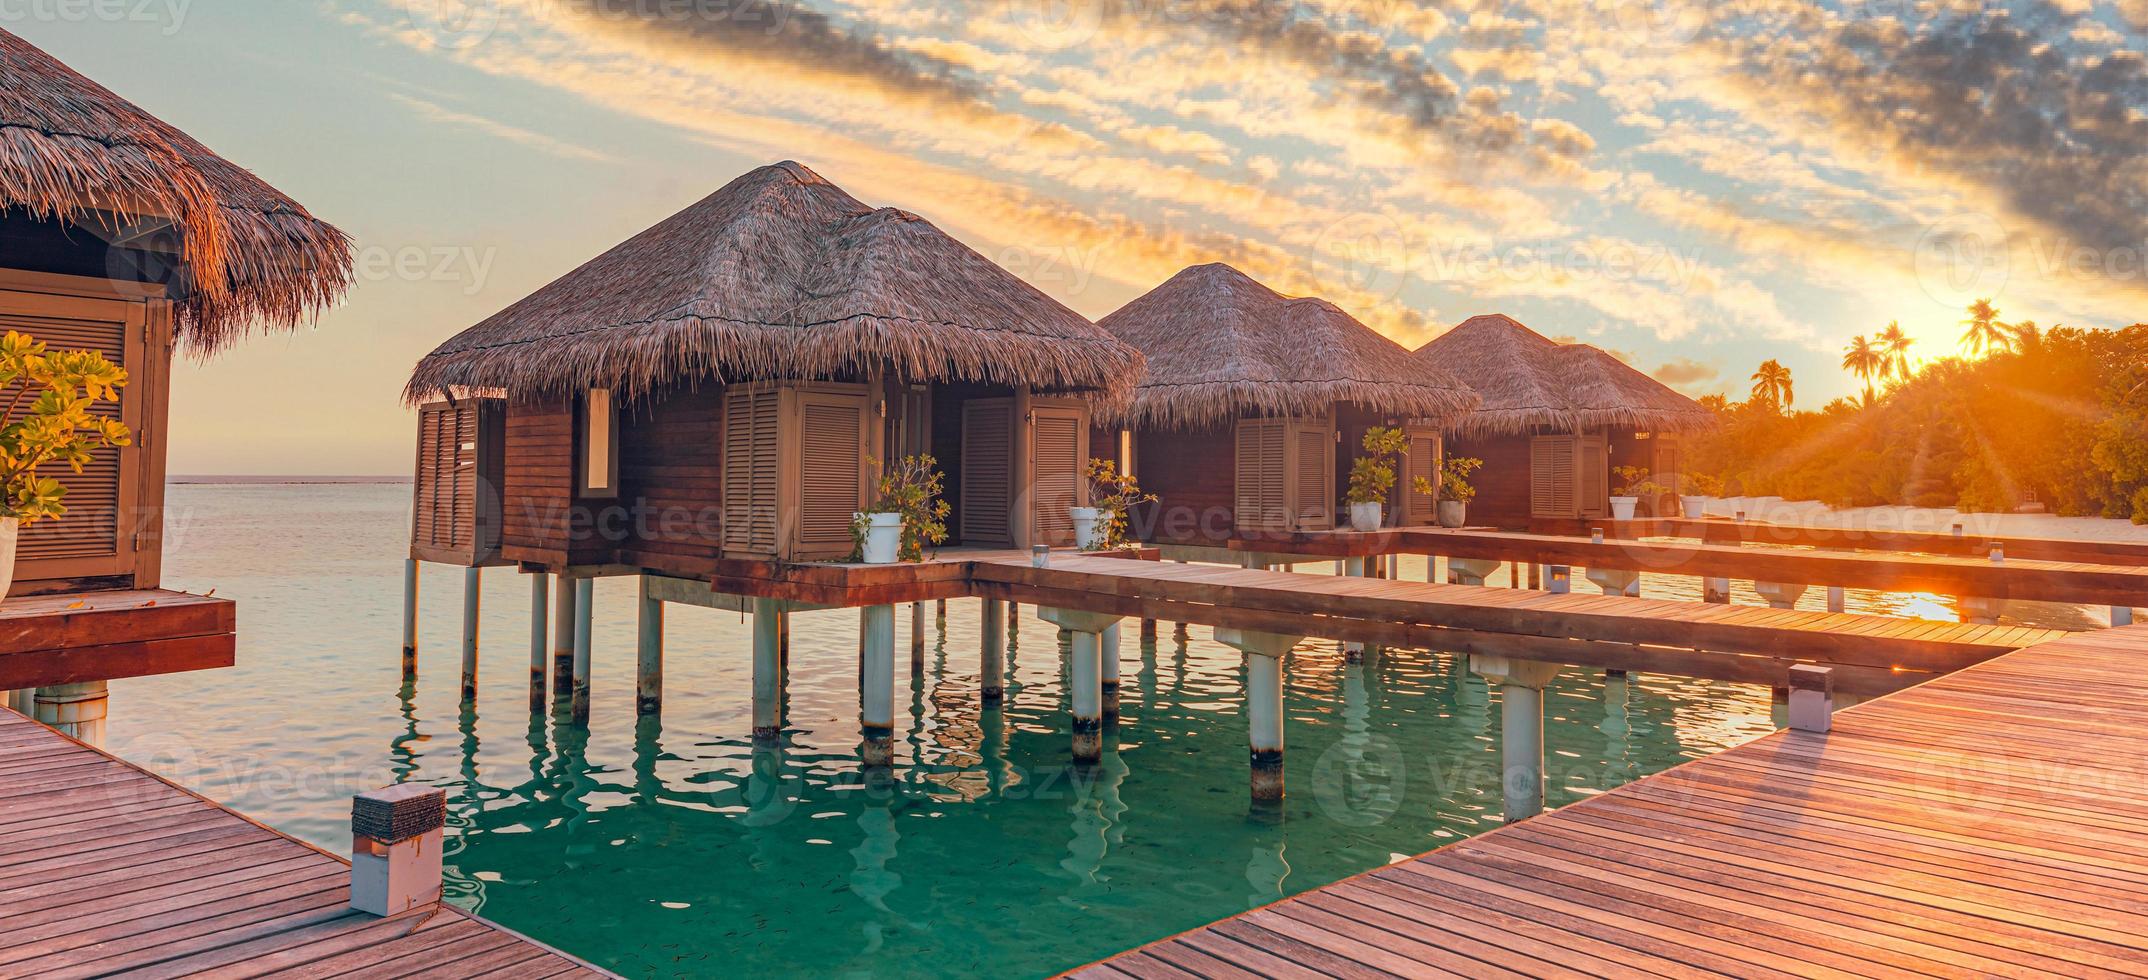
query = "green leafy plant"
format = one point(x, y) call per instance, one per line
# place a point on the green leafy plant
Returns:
point(1454, 478)
point(1634, 482)
point(59, 425)
point(1372, 475)
point(1114, 495)
point(1700, 485)
point(912, 488)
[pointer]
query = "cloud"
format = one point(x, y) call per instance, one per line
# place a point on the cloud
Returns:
point(436, 113)
point(1687, 374)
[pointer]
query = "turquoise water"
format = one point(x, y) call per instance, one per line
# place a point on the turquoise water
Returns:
point(676, 848)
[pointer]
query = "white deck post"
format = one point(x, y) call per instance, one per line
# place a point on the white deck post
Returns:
point(396, 848)
point(1521, 727)
point(767, 672)
point(410, 618)
point(540, 618)
point(472, 591)
point(649, 654)
point(917, 638)
point(1353, 651)
point(1085, 668)
point(876, 686)
point(562, 635)
point(74, 709)
point(585, 598)
point(1107, 653)
point(1264, 705)
point(993, 643)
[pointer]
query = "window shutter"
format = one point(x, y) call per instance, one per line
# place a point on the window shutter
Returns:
point(599, 444)
point(1551, 477)
point(987, 491)
point(1056, 470)
point(831, 468)
point(96, 497)
point(1260, 500)
point(1593, 489)
point(1313, 502)
point(750, 462)
point(447, 475)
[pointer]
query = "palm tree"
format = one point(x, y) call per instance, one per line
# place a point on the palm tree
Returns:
point(1771, 384)
point(1894, 351)
point(2028, 338)
point(1864, 360)
point(1984, 329)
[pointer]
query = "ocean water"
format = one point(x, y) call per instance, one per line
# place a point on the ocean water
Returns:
point(674, 847)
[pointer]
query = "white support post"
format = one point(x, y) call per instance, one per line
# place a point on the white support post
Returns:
point(876, 686)
point(1616, 581)
point(1521, 728)
point(410, 618)
point(993, 644)
point(767, 672)
point(396, 847)
point(472, 591)
point(1086, 670)
point(1107, 653)
point(1470, 571)
point(1838, 599)
point(1715, 590)
point(1780, 595)
point(649, 654)
point(76, 709)
point(540, 619)
point(917, 638)
point(1812, 699)
point(585, 598)
point(562, 635)
point(1353, 652)
point(1264, 705)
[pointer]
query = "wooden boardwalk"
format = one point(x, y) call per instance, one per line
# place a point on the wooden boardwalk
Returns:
point(1750, 644)
point(1990, 823)
point(106, 869)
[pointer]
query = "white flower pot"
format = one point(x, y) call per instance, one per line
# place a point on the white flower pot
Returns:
point(1622, 508)
point(883, 538)
point(1087, 524)
point(10, 531)
point(1453, 513)
point(1695, 507)
point(1365, 517)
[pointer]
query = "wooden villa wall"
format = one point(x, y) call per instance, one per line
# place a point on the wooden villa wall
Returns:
point(670, 461)
point(1192, 474)
point(1503, 484)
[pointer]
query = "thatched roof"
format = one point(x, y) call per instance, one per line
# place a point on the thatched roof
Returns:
point(1528, 380)
point(70, 150)
point(1220, 345)
point(781, 274)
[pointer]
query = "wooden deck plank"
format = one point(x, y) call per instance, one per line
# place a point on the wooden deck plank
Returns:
point(1991, 822)
point(113, 869)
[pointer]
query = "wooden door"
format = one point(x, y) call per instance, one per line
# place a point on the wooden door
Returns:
point(107, 508)
point(1551, 477)
point(1312, 475)
point(986, 508)
point(1592, 467)
point(1059, 451)
point(832, 462)
point(1261, 498)
point(1421, 461)
point(752, 457)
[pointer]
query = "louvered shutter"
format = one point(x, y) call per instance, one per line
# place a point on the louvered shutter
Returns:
point(1260, 501)
point(1312, 501)
point(1055, 472)
point(1592, 477)
point(1551, 477)
point(1422, 463)
point(751, 460)
point(831, 471)
point(987, 492)
point(447, 476)
point(95, 537)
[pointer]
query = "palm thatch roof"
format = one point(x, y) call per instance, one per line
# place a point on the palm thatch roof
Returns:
point(70, 150)
point(1529, 381)
point(1220, 344)
point(781, 275)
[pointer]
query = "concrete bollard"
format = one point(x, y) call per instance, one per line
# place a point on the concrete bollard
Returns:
point(1521, 686)
point(1264, 705)
point(396, 838)
point(77, 710)
point(1616, 581)
point(1085, 669)
point(1812, 699)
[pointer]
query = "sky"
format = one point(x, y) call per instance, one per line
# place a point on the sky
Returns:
point(1695, 187)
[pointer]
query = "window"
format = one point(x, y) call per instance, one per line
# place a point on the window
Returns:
point(600, 444)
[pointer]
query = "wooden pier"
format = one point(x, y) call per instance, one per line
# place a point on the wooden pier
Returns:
point(111, 870)
point(1988, 823)
point(95, 636)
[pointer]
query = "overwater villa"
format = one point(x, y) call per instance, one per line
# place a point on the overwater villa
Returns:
point(122, 235)
point(1555, 424)
point(1254, 403)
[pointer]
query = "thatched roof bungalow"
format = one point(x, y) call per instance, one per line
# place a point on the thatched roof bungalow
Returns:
point(120, 233)
point(1253, 404)
point(755, 356)
point(1555, 420)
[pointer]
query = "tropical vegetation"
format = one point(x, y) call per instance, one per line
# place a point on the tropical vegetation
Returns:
point(1372, 475)
point(59, 425)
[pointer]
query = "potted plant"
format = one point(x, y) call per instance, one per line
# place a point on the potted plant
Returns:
point(1107, 527)
point(1455, 490)
point(1372, 476)
point(1699, 489)
point(907, 516)
point(1633, 485)
point(57, 425)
